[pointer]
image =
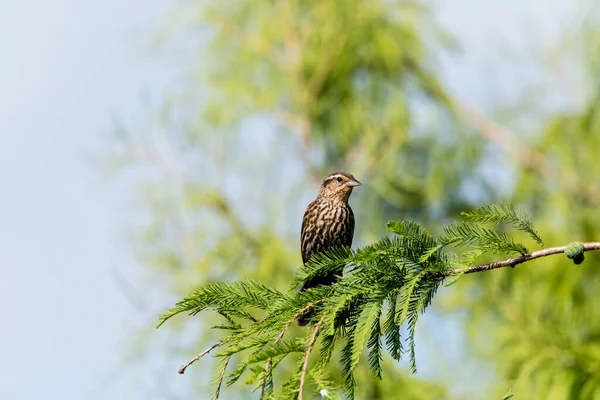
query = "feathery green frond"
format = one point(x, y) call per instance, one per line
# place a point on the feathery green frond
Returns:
point(504, 213)
point(346, 362)
point(327, 389)
point(218, 380)
point(321, 263)
point(466, 234)
point(282, 348)
point(391, 329)
point(227, 296)
point(462, 263)
point(369, 316)
point(374, 343)
point(327, 346)
point(385, 287)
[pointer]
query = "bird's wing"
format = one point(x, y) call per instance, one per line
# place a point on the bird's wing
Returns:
point(308, 231)
point(350, 230)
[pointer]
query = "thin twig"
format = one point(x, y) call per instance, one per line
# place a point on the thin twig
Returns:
point(511, 262)
point(280, 336)
point(308, 350)
point(199, 356)
point(297, 315)
point(218, 391)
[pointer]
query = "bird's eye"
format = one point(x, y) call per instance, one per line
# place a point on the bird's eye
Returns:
point(339, 179)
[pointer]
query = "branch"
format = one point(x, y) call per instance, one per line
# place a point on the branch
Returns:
point(511, 262)
point(218, 391)
point(308, 350)
point(199, 356)
point(280, 336)
point(415, 253)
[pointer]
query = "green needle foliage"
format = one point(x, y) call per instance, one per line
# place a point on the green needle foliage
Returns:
point(504, 214)
point(374, 306)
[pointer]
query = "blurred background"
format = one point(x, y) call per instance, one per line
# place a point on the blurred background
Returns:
point(151, 146)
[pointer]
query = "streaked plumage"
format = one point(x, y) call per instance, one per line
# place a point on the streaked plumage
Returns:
point(328, 222)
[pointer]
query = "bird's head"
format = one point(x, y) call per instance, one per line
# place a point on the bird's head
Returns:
point(338, 186)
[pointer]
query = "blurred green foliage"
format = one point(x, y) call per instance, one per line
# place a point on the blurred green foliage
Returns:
point(280, 93)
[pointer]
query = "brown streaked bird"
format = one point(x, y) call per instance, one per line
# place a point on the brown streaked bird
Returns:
point(328, 222)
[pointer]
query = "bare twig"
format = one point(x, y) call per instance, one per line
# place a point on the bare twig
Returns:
point(511, 262)
point(280, 336)
point(199, 356)
point(308, 350)
point(218, 391)
point(297, 315)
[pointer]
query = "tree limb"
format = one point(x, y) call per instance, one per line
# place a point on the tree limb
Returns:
point(511, 262)
point(222, 375)
point(280, 336)
point(311, 342)
point(199, 356)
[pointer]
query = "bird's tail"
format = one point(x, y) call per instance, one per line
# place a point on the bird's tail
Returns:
point(305, 318)
point(351, 312)
point(326, 280)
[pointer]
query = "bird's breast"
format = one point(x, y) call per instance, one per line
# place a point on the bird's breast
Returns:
point(326, 224)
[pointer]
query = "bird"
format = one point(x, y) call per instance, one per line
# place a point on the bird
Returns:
point(328, 222)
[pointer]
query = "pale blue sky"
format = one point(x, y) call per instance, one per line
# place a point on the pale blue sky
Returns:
point(66, 67)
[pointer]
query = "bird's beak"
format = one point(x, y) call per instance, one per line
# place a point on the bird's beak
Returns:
point(352, 183)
